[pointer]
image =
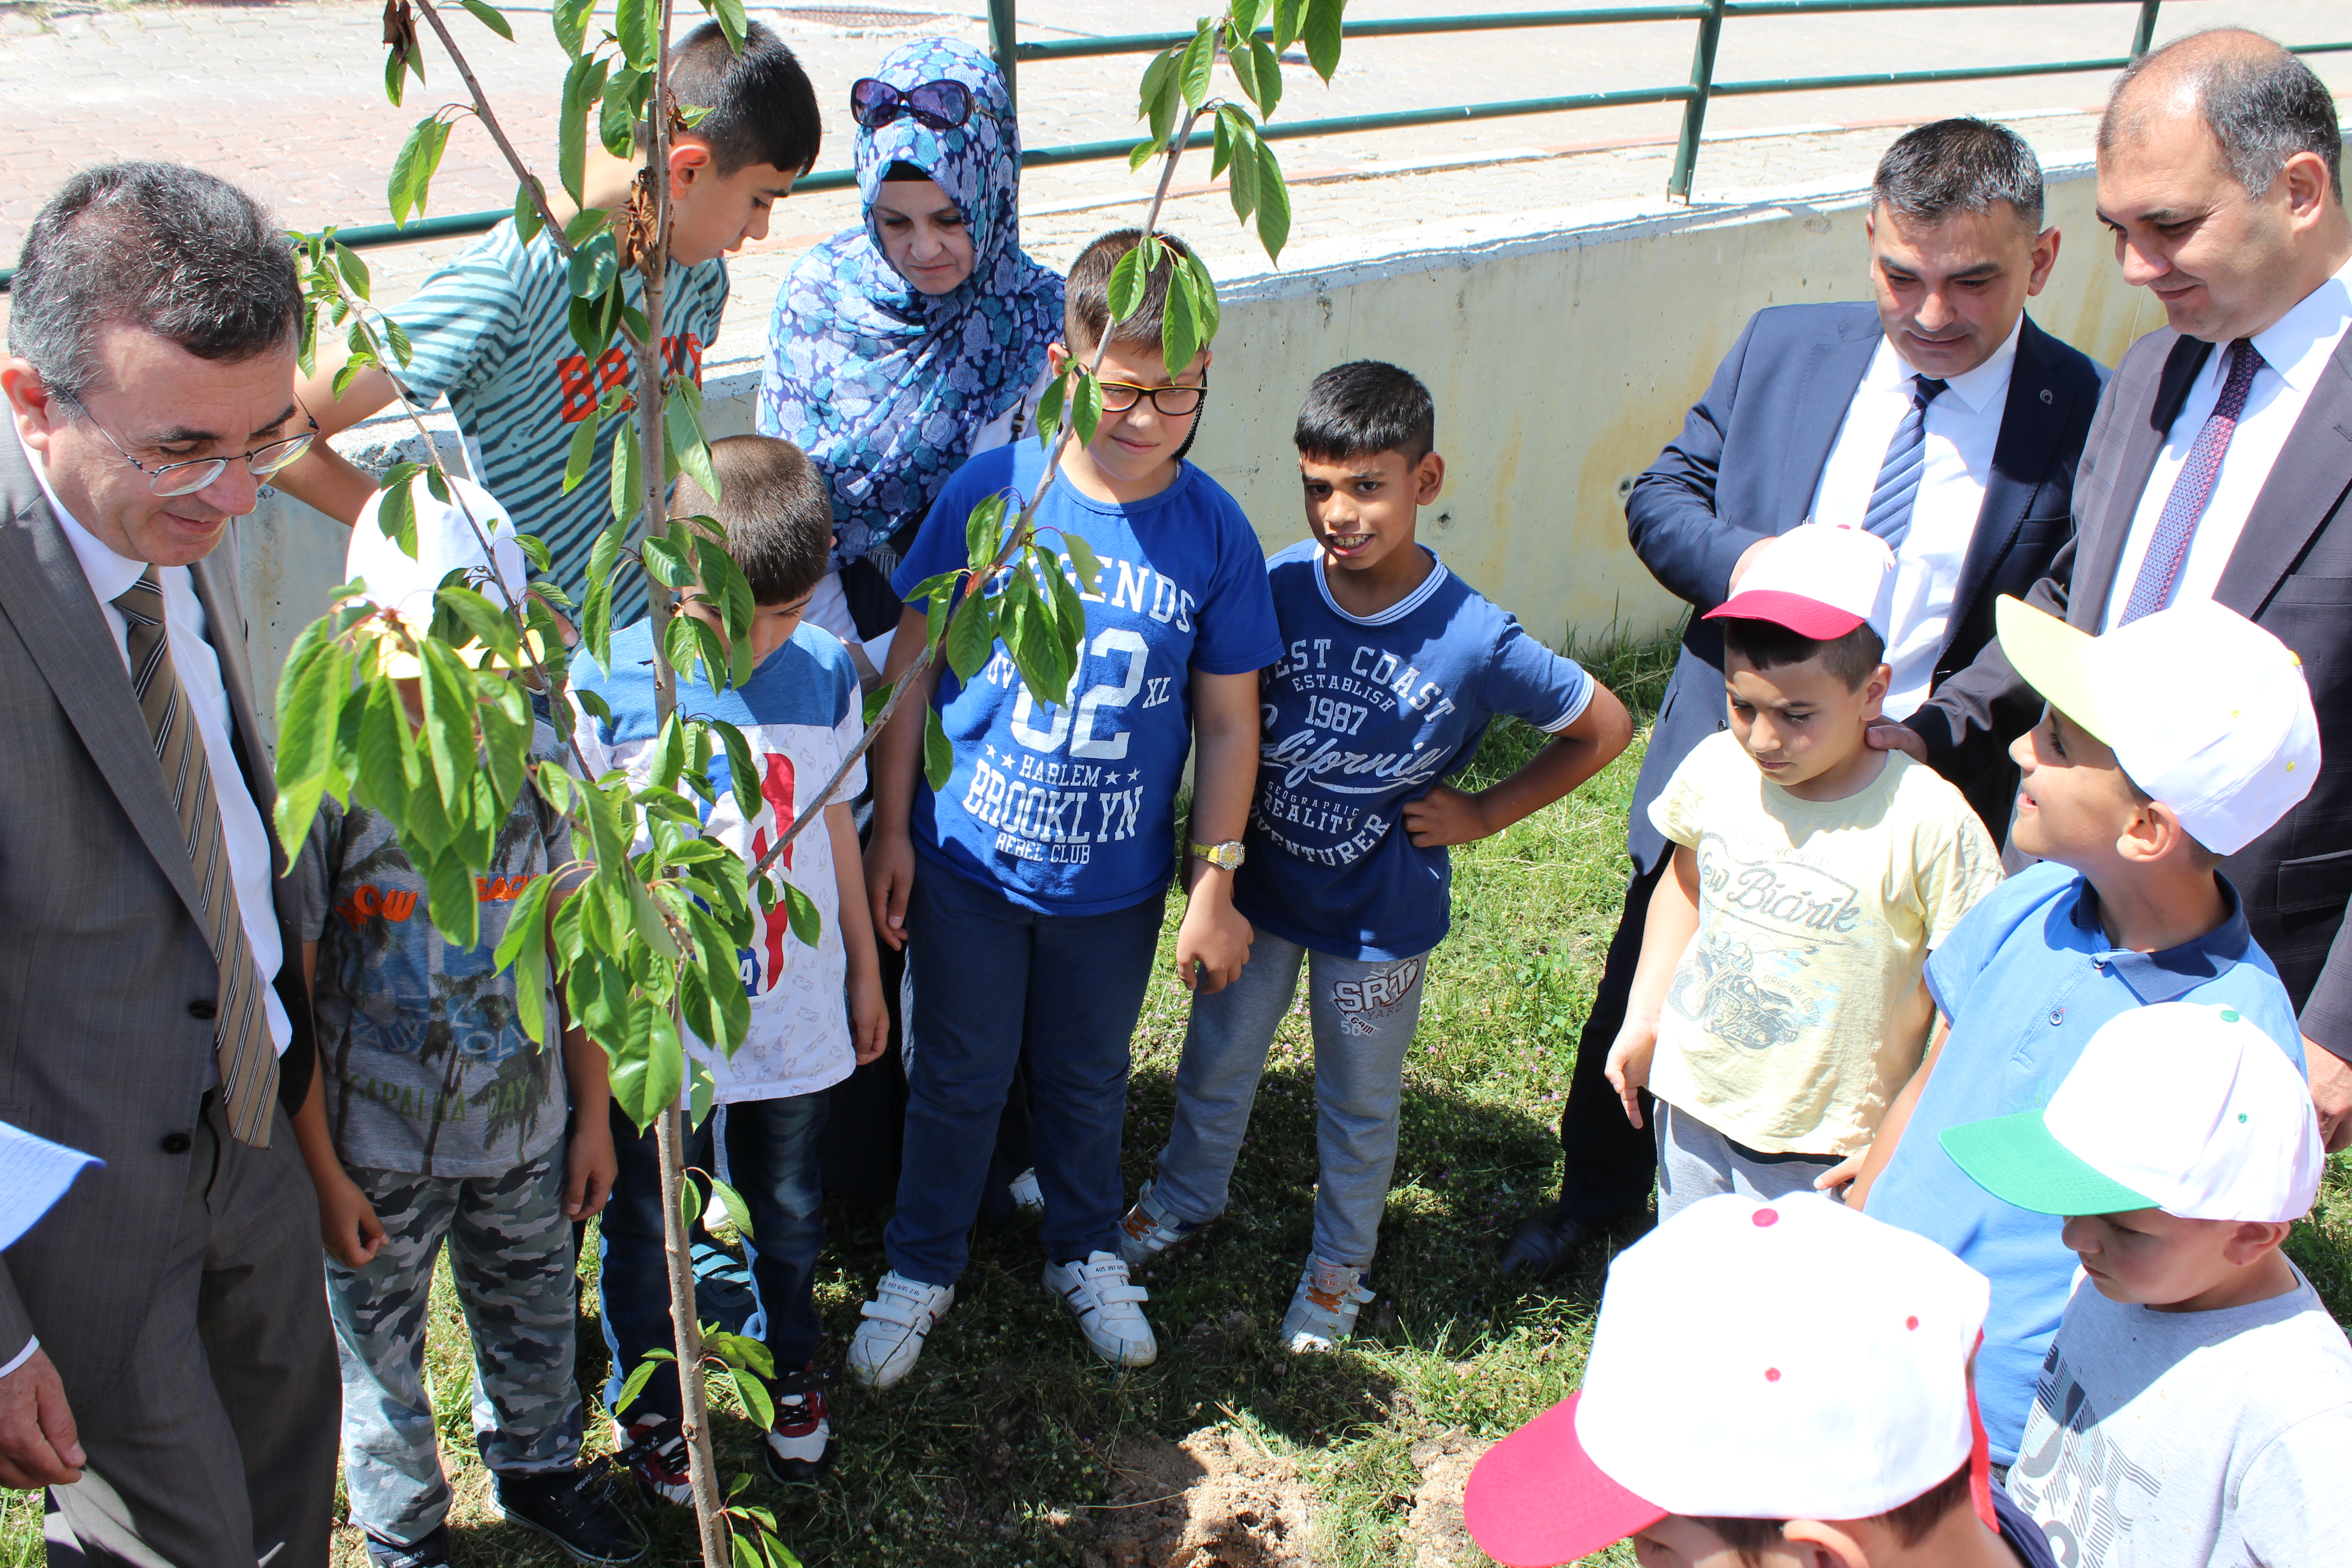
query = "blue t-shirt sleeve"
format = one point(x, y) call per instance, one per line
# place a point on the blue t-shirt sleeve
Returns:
point(1238, 632)
point(1528, 680)
point(1953, 968)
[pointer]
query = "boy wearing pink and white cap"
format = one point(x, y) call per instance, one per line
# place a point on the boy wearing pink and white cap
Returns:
point(1777, 1007)
point(1770, 1387)
point(2196, 1406)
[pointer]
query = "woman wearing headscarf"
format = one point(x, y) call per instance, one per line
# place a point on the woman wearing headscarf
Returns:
point(900, 349)
point(896, 351)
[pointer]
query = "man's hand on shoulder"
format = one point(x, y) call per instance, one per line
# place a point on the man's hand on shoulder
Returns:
point(38, 1444)
point(1886, 735)
point(2331, 1093)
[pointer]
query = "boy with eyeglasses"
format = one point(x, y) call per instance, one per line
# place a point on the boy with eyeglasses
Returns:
point(1034, 884)
point(1392, 670)
point(491, 331)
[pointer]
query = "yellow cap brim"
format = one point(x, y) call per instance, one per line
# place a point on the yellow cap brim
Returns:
point(402, 665)
point(2053, 658)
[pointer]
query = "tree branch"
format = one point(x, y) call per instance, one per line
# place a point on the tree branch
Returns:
point(498, 133)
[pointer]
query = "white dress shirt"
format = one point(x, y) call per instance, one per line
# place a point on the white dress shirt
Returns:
point(243, 833)
point(2294, 349)
point(1963, 427)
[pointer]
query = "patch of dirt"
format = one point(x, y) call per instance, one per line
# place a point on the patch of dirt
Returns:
point(1213, 1500)
point(1434, 1527)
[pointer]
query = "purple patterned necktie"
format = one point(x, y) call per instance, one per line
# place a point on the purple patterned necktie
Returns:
point(2192, 487)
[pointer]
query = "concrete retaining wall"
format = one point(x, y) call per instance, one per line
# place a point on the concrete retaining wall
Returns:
point(1563, 348)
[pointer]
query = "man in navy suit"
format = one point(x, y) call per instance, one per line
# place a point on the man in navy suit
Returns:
point(1940, 419)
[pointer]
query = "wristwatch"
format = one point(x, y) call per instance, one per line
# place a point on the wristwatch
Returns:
point(1225, 856)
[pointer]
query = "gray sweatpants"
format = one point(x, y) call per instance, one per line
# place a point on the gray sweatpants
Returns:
point(1362, 1012)
point(1696, 1161)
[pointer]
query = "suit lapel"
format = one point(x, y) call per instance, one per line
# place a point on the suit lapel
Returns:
point(2033, 419)
point(2312, 472)
point(1833, 369)
point(48, 599)
point(2100, 547)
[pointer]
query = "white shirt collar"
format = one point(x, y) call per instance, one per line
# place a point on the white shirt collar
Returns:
point(110, 575)
point(1975, 391)
point(2299, 344)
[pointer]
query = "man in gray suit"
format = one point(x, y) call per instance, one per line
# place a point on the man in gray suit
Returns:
point(2220, 465)
point(165, 1362)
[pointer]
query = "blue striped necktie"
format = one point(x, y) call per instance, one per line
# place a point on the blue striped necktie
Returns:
point(1898, 491)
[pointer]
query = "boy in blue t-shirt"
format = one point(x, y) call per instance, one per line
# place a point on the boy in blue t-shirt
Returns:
point(2172, 741)
point(800, 715)
point(1033, 885)
point(491, 330)
point(1391, 670)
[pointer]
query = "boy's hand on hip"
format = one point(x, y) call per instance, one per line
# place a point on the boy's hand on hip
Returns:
point(869, 1018)
point(1214, 935)
point(347, 1224)
point(589, 1168)
point(1445, 816)
point(1629, 1064)
point(889, 878)
point(39, 1445)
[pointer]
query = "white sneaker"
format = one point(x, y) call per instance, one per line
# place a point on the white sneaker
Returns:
point(1027, 1195)
point(890, 1337)
point(1150, 1230)
point(1109, 1308)
point(1323, 1308)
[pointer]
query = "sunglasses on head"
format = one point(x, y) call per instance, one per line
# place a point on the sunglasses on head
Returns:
point(941, 105)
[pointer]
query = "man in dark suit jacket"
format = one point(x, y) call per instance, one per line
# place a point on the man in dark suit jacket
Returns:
point(2220, 461)
point(1941, 419)
point(166, 1368)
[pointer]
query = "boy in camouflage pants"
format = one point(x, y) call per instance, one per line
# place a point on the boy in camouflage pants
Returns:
point(436, 1115)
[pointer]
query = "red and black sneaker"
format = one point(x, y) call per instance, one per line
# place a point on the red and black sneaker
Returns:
point(654, 1449)
point(800, 1445)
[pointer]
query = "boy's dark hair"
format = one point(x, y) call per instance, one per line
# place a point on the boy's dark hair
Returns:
point(1960, 166)
point(1768, 646)
point(1364, 408)
point(774, 509)
point(762, 109)
point(1909, 1524)
point(1086, 299)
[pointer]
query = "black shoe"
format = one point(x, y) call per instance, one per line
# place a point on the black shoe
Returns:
point(576, 1509)
point(800, 1445)
point(1546, 1243)
point(433, 1551)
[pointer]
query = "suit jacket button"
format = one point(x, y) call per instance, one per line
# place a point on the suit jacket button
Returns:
point(200, 1010)
point(177, 1143)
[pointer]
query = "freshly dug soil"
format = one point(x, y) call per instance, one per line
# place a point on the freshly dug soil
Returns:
point(1213, 1500)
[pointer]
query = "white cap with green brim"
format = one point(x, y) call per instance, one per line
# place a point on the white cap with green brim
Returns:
point(2177, 1106)
point(2205, 710)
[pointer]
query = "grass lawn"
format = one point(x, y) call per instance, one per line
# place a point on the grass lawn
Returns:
point(998, 1450)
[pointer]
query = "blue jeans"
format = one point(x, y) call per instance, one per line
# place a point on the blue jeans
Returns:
point(992, 981)
point(771, 1148)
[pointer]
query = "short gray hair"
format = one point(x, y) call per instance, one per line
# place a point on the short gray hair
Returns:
point(180, 253)
point(1958, 166)
point(2262, 104)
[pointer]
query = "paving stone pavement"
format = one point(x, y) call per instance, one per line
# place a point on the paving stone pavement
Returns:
point(285, 97)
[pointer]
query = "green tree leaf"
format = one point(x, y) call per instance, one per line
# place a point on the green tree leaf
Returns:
point(448, 719)
point(583, 453)
point(593, 267)
point(1204, 298)
point(684, 427)
point(449, 888)
point(1242, 63)
point(1127, 285)
point(628, 490)
point(634, 21)
point(939, 757)
point(1273, 203)
point(523, 948)
point(1289, 22)
point(1180, 323)
point(984, 533)
point(310, 694)
point(1322, 34)
point(1241, 175)
point(635, 1383)
point(800, 910)
point(743, 773)
point(1268, 74)
point(1049, 408)
point(1200, 58)
point(730, 22)
point(970, 636)
point(1084, 561)
point(397, 516)
point(489, 18)
point(388, 768)
point(354, 271)
point(668, 758)
point(754, 1394)
point(526, 214)
point(571, 19)
point(616, 125)
point(743, 1213)
point(581, 85)
point(1086, 412)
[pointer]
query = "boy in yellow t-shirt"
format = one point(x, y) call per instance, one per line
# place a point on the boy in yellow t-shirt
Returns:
point(1779, 1005)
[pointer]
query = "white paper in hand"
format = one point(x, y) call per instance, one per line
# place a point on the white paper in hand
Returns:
point(34, 1175)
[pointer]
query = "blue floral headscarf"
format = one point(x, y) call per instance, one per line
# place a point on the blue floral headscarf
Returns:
point(885, 387)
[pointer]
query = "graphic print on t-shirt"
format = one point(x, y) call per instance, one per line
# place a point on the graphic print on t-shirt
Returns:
point(1316, 784)
point(1754, 976)
point(2087, 1505)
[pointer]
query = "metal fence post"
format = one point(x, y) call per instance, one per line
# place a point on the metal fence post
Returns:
point(1000, 42)
point(2145, 33)
point(1710, 29)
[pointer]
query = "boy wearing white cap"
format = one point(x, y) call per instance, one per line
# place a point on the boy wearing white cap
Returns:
point(1822, 1419)
point(436, 1116)
point(2171, 742)
point(2196, 1406)
point(1776, 1008)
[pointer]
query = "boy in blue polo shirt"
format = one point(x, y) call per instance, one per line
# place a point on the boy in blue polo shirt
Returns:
point(1392, 669)
point(1034, 884)
point(2171, 742)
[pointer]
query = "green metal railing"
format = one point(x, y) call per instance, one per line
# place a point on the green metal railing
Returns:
point(1694, 95)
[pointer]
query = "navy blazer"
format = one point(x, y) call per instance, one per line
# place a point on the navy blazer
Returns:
point(1745, 466)
point(2291, 573)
